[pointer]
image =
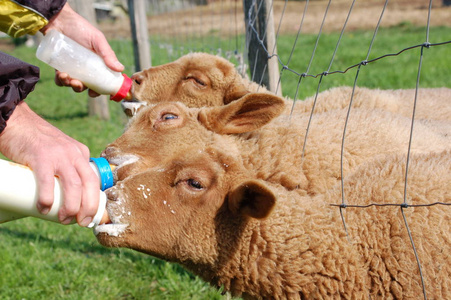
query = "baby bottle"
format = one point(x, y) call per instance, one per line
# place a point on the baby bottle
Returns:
point(19, 193)
point(66, 55)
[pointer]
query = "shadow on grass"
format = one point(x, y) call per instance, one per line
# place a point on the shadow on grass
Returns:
point(86, 248)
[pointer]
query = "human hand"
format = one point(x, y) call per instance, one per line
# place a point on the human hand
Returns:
point(74, 26)
point(31, 141)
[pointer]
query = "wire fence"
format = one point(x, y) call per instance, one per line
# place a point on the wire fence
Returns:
point(426, 44)
point(285, 67)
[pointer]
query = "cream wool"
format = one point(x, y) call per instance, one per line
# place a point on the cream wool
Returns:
point(259, 240)
point(253, 214)
point(432, 103)
point(269, 145)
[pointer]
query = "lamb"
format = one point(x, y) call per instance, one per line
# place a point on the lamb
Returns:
point(228, 192)
point(206, 211)
point(432, 103)
point(272, 146)
point(201, 79)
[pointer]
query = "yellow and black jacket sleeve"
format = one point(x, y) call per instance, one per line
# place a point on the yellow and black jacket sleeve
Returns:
point(20, 17)
point(17, 78)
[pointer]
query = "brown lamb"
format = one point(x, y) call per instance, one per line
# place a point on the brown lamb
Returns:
point(206, 211)
point(201, 79)
point(231, 192)
point(272, 146)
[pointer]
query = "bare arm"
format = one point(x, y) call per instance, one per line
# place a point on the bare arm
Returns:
point(31, 141)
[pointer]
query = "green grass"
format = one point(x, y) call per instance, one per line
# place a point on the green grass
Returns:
point(43, 260)
point(397, 72)
point(394, 72)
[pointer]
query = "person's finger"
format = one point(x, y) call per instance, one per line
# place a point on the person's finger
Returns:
point(46, 185)
point(93, 94)
point(90, 194)
point(77, 85)
point(61, 78)
point(71, 185)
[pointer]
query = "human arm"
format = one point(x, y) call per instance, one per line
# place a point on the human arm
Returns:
point(27, 139)
point(30, 140)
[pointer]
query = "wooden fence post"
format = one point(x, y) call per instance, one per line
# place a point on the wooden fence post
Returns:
point(96, 106)
point(138, 24)
point(264, 67)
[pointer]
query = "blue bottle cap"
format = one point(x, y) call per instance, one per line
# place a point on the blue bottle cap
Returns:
point(106, 174)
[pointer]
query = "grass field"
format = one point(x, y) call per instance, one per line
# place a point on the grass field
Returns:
point(394, 72)
point(43, 260)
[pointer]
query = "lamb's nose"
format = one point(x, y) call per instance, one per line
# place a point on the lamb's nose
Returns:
point(138, 78)
point(109, 152)
point(112, 194)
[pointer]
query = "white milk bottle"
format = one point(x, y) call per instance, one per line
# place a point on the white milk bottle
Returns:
point(19, 192)
point(66, 55)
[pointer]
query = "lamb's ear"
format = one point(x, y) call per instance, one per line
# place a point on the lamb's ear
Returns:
point(248, 113)
point(253, 199)
point(235, 92)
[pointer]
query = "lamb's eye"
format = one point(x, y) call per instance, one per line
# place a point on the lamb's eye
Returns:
point(197, 80)
point(194, 184)
point(200, 82)
point(169, 116)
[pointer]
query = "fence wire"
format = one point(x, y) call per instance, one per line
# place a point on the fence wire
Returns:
point(285, 67)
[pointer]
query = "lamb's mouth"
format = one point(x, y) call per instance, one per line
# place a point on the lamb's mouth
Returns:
point(119, 162)
point(114, 225)
point(111, 229)
point(131, 107)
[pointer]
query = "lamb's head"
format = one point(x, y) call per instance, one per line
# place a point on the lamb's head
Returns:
point(186, 208)
point(197, 80)
point(163, 131)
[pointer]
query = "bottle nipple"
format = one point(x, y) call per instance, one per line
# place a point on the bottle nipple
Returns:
point(125, 90)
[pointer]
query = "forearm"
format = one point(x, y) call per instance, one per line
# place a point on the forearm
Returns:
point(11, 138)
point(30, 140)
